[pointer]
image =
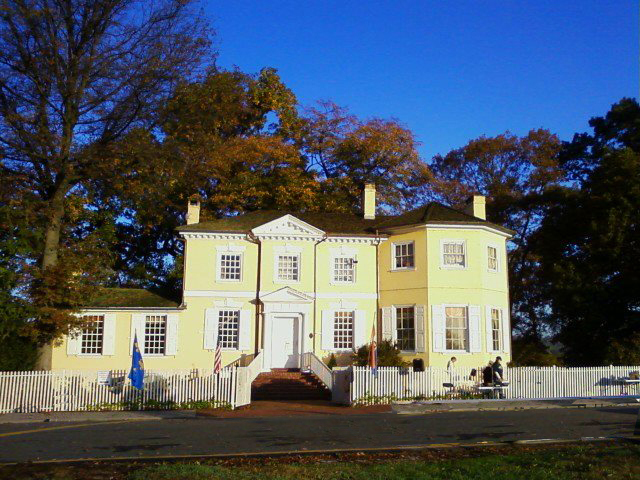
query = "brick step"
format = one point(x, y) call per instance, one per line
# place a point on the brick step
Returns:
point(288, 384)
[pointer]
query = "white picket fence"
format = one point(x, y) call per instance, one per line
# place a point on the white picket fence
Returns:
point(393, 383)
point(66, 390)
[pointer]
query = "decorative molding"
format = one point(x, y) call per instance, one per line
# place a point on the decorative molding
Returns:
point(227, 303)
point(467, 227)
point(286, 295)
point(343, 305)
point(288, 227)
point(214, 235)
point(363, 240)
point(231, 248)
point(288, 248)
point(248, 294)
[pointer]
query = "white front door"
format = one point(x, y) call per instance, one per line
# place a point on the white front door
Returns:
point(284, 342)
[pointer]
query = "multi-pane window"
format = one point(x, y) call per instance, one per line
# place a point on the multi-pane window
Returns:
point(453, 254)
point(344, 269)
point(230, 266)
point(496, 332)
point(403, 255)
point(405, 328)
point(457, 328)
point(342, 330)
point(92, 334)
point(492, 258)
point(228, 327)
point(289, 267)
point(155, 334)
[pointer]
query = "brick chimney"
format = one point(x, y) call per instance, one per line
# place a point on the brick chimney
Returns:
point(476, 206)
point(369, 201)
point(193, 210)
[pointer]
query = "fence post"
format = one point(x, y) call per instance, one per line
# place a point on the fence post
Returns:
point(555, 381)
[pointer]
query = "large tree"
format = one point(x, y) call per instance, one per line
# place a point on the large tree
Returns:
point(589, 244)
point(75, 76)
point(347, 152)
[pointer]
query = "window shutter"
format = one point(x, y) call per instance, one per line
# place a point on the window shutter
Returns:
point(137, 326)
point(438, 325)
point(387, 323)
point(359, 328)
point(327, 330)
point(74, 342)
point(210, 328)
point(171, 346)
point(420, 343)
point(109, 335)
point(244, 330)
point(506, 331)
point(488, 329)
point(475, 338)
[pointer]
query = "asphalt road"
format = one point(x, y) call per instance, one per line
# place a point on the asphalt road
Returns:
point(204, 436)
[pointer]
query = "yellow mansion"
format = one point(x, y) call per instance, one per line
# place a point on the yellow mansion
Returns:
point(433, 280)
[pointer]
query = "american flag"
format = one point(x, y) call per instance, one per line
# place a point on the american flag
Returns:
point(217, 362)
point(373, 352)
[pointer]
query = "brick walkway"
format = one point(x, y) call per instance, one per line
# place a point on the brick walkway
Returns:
point(284, 408)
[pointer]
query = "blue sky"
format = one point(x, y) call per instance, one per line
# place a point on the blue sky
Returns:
point(449, 70)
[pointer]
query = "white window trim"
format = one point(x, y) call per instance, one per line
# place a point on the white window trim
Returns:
point(229, 309)
point(276, 258)
point(464, 251)
point(501, 335)
point(353, 331)
point(166, 328)
point(394, 319)
point(456, 305)
point(332, 273)
point(497, 269)
point(219, 266)
point(393, 256)
point(89, 355)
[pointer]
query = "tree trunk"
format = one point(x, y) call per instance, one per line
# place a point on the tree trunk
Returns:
point(54, 226)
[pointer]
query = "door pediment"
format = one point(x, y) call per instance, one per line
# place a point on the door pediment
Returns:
point(286, 295)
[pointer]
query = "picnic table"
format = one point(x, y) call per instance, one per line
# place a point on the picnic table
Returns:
point(492, 390)
point(624, 385)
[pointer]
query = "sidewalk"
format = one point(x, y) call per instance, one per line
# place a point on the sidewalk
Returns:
point(288, 408)
point(94, 416)
point(414, 408)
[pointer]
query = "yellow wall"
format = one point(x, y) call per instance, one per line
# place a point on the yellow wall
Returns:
point(430, 284)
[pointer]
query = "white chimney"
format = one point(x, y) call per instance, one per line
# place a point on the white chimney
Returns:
point(369, 201)
point(476, 206)
point(193, 210)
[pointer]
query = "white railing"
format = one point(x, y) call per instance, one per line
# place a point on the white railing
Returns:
point(67, 390)
point(393, 383)
point(311, 362)
point(246, 376)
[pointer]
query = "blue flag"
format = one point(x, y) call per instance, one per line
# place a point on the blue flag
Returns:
point(137, 365)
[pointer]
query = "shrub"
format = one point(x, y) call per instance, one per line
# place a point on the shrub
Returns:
point(388, 355)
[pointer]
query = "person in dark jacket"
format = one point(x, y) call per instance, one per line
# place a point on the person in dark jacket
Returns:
point(498, 374)
point(487, 375)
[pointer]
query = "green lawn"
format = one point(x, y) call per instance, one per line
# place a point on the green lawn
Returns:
point(583, 461)
point(579, 462)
